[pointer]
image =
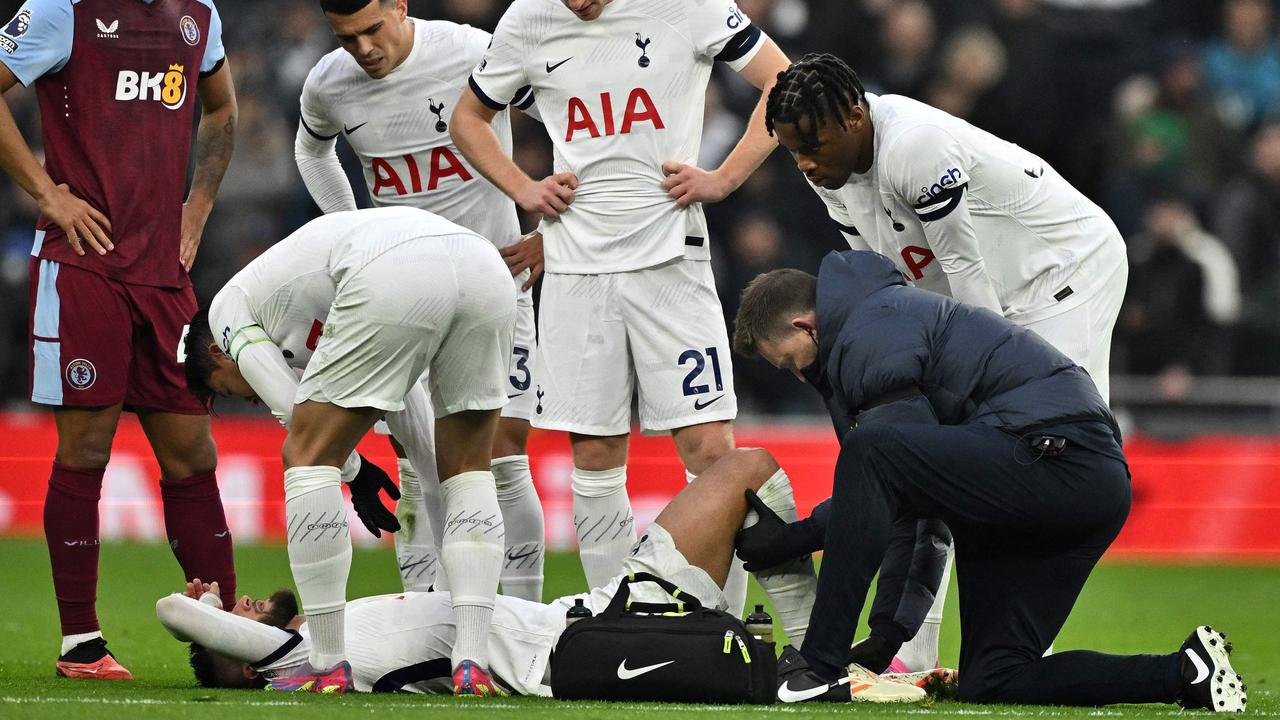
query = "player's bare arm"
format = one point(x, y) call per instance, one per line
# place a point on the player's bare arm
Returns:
point(689, 183)
point(215, 140)
point(469, 127)
point(83, 223)
point(525, 255)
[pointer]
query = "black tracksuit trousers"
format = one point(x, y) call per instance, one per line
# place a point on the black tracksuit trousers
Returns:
point(1028, 530)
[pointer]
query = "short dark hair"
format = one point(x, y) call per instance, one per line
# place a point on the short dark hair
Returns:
point(200, 363)
point(209, 673)
point(348, 7)
point(817, 86)
point(768, 303)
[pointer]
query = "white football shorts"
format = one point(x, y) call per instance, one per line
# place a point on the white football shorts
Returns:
point(1083, 332)
point(654, 553)
point(446, 303)
point(520, 382)
point(599, 334)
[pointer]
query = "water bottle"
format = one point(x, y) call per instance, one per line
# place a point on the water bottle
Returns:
point(576, 613)
point(760, 624)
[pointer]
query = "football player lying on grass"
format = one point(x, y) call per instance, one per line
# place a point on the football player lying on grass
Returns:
point(401, 642)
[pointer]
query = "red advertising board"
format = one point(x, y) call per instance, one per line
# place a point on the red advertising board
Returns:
point(1210, 498)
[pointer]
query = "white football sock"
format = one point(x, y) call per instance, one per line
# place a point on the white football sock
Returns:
point(526, 535)
point(472, 558)
point(793, 585)
point(414, 428)
point(69, 642)
point(605, 527)
point(415, 545)
point(921, 651)
point(319, 555)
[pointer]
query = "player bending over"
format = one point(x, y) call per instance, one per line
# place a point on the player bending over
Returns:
point(365, 302)
point(402, 642)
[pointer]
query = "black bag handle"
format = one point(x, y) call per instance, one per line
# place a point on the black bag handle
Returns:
point(622, 598)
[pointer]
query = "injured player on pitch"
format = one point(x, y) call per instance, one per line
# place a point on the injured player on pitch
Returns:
point(401, 641)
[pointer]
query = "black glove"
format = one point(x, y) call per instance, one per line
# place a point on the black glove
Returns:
point(364, 497)
point(878, 650)
point(772, 541)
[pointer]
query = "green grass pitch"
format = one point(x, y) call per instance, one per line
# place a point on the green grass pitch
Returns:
point(1125, 608)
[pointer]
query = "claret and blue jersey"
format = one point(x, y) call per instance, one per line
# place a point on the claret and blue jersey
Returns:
point(116, 81)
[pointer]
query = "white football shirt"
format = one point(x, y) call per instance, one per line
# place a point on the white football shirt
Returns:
point(397, 642)
point(966, 214)
point(398, 125)
point(618, 95)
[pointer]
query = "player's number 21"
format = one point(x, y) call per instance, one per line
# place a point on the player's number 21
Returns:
point(700, 364)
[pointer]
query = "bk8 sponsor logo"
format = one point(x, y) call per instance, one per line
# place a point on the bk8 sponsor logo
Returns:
point(168, 88)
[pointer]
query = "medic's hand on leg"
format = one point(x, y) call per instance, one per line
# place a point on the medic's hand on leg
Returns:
point(772, 541)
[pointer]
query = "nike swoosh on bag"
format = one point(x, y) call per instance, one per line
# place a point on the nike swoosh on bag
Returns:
point(625, 673)
point(787, 695)
point(1202, 670)
point(698, 404)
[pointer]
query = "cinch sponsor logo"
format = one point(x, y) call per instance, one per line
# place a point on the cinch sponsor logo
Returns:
point(168, 88)
point(948, 179)
point(735, 19)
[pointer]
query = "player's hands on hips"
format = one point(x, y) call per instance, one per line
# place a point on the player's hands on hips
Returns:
point(525, 255)
point(769, 542)
point(689, 184)
point(364, 498)
point(550, 196)
point(193, 220)
point(83, 223)
point(196, 590)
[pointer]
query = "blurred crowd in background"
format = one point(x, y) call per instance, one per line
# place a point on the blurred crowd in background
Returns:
point(1165, 112)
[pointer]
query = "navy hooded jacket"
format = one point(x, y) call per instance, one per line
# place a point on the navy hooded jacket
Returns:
point(879, 341)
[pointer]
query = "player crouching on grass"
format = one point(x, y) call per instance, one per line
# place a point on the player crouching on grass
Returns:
point(950, 411)
point(402, 642)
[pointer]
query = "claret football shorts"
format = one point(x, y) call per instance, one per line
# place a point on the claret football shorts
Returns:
point(97, 342)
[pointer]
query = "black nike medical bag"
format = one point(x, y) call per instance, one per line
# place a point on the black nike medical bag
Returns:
point(667, 652)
